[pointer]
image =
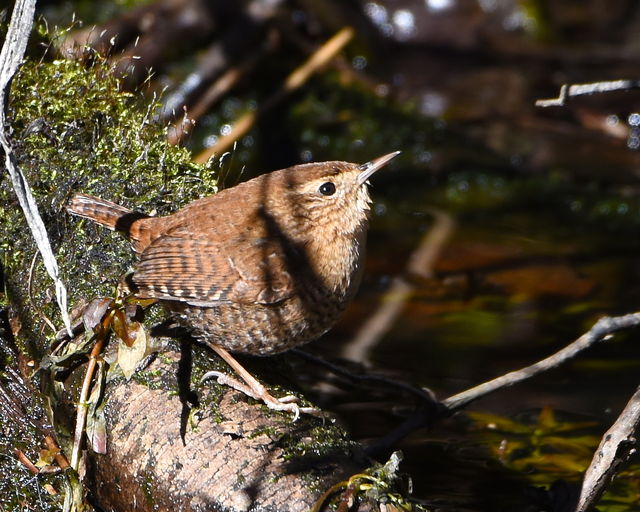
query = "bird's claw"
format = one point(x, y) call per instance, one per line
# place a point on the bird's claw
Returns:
point(286, 403)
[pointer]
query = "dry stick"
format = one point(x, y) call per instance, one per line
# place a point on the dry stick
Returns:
point(53, 447)
point(617, 446)
point(296, 79)
point(341, 64)
point(422, 393)
point(601, 329)
point(570, 91)
point(420, 263)
point(211, 96)
point(24, 460)
point(219, 88)
point(81, 417)
point(238, 38)
point(59, 457)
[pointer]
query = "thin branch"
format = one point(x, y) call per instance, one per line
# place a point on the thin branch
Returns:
point(102, 334)
point(568, 91)
point(218, 89)
point(423, 394)
point(601, 330)
point(618, 444)
point(24, 460)
point(295, 80)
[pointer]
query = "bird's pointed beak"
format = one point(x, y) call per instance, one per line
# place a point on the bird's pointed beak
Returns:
point(366, 170)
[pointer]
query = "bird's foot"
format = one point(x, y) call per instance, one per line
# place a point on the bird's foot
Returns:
point(259, 392)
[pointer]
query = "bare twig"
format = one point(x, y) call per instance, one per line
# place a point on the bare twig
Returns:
point(618, 444)
point(24, 460)
point(568, 91)
point(82, 406)
point(10, 59)
point(59, 457)
point(421, 264)
point(217, 90)
point(296, 79)
point(240, 34)
point(601, 330)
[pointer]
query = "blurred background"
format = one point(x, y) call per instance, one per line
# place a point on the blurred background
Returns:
point(502, 232)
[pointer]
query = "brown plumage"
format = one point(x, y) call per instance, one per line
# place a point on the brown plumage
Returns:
point(258, 268)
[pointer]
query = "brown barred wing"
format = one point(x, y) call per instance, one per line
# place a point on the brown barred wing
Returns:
point(202, 271)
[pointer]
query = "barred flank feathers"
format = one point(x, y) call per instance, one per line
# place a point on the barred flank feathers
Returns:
point(105, 213)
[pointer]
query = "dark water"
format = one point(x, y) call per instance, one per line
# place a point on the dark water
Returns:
point(510, 287)
point(544, 209)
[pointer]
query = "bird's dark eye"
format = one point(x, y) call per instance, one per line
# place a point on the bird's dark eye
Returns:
point(327, 188)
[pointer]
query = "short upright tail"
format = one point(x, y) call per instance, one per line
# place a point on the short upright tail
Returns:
point(106, 213)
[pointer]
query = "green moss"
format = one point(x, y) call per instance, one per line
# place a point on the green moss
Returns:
point(153, 379)
point(322, 440)
point(73, 130)
point(148, 487)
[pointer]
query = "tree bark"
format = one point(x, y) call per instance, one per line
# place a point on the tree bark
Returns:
point(226, 454)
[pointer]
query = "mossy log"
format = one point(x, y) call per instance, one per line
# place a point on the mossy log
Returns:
point(226, 454)
point(73, 130)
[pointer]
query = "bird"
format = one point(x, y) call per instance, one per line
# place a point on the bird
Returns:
point(258, 268)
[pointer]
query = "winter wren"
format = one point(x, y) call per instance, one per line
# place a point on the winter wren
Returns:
point(258, 268)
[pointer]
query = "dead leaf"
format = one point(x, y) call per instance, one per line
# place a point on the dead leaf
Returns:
point(130, 357)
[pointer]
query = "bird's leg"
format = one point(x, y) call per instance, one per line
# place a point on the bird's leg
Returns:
point(251, 387)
